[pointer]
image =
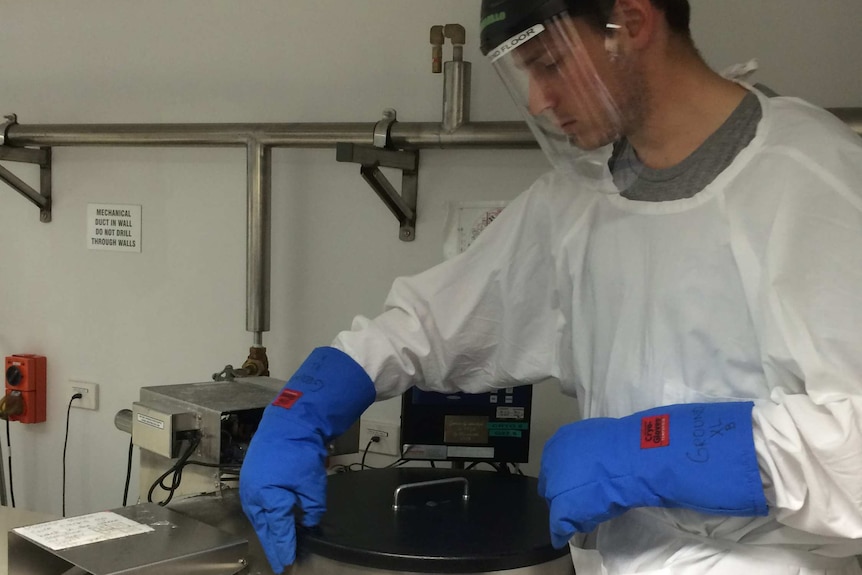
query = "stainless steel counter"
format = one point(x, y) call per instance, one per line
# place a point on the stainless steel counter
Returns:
point(10, 518)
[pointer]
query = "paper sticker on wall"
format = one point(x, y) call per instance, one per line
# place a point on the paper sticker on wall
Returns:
point(465, 221)
point(114, 227)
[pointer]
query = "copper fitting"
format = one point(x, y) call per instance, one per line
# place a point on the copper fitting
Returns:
point(257, 362)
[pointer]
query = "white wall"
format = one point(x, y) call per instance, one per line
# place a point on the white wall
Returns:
point(176, 312)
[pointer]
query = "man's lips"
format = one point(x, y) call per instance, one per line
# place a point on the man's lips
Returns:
point(569, 126)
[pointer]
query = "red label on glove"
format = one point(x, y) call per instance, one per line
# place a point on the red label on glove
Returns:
point(287, 398)
point(655, 431)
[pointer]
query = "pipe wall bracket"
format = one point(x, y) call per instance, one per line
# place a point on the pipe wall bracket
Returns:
point(37, 156)
point(371, 159)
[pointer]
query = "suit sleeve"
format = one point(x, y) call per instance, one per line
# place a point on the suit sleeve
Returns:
point(808, 435)
point(483, 320)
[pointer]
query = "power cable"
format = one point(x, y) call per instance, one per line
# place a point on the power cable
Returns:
point(374, 439)
point(3, 501)
point(9, 449)
point(65, 445)
point(177, 471)
point(128, 473)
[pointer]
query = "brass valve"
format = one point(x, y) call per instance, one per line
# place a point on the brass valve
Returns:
point(437, 39)
point(257, 362)
point(456, 34)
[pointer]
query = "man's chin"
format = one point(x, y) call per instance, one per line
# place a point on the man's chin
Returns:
point(583, 139)
point(591, 142)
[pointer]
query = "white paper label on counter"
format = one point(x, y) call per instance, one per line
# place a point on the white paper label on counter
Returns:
point(83, 530)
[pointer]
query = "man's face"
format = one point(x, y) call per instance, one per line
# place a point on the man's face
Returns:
point(575, 84)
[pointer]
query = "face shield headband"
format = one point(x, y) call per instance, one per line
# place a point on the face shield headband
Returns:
point(552, 71)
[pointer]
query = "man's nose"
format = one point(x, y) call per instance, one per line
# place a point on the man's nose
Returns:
point(541, 97)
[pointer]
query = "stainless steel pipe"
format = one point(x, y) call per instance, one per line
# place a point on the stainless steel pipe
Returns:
point(456, 94)
point(404, 135)
point(258, 240)
point(123, 420)
point(258, 139)
point(477, 135)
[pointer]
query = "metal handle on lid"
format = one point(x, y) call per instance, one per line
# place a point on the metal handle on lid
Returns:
point(465, 497)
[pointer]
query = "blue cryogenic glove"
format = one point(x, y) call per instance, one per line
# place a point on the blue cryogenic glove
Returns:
point(283, 476)
point(697, 456)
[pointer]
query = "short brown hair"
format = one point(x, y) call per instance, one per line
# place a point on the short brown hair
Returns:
point(677, 13)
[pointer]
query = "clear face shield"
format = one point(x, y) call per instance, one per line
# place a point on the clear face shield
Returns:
point(552, 71)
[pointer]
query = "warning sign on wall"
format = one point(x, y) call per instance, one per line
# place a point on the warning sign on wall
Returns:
point(115, 227)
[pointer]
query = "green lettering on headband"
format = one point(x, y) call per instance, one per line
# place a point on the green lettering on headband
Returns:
point(490, 19)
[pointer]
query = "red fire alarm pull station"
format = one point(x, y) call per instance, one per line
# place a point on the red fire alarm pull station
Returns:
point(25, 388)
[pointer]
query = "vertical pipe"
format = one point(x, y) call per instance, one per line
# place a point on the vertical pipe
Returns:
point(456, 81)
point(456, 94)
point(258, 243)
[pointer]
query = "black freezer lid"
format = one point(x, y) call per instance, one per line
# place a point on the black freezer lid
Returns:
point(503, 526)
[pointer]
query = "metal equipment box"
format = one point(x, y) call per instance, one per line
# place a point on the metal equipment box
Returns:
point(225, 414)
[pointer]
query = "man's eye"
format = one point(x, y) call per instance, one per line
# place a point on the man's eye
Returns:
point(545, 67)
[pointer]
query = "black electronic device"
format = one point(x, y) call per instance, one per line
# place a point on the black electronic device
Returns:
point(492, 427)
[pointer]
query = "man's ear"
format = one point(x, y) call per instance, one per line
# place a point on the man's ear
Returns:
point(637, 20)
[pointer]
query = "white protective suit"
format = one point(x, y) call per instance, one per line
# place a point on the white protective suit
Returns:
point(750, 290)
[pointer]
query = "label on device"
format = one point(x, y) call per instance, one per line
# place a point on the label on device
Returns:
point(287, 398)
point(655, 431)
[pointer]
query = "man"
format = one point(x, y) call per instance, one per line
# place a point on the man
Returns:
point(691, 271)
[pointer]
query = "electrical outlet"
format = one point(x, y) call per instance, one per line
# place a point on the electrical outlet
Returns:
point(89, 394)
point(388, 432)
